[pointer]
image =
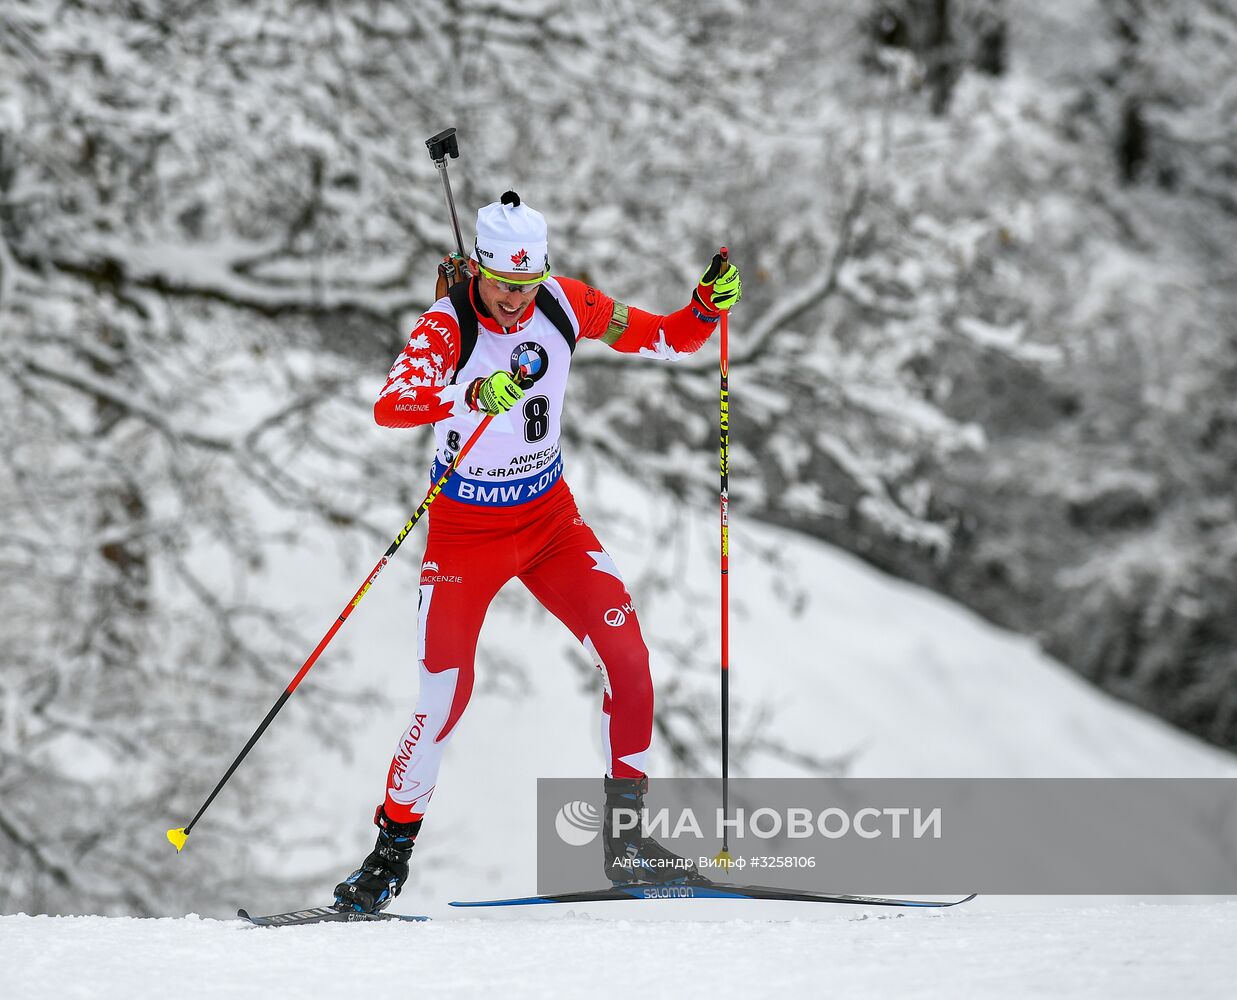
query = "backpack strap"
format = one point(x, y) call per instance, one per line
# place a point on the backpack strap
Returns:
point(467, 318)
point(555, 313)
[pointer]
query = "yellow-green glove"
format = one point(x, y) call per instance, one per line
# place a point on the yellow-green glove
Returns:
point(720, 287)
point(496, 394)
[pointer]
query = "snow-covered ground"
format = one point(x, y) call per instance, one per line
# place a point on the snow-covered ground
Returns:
point(897, 679)
point(1115, 951)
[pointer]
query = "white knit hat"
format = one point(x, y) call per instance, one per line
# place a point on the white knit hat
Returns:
point(512, 237)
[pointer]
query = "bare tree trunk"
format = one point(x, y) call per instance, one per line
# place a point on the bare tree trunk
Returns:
point(938, 55)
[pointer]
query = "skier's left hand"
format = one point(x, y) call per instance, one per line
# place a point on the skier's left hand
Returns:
point(720, 286)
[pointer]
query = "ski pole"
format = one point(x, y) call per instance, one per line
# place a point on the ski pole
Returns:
point(441, 146)
point(181, 834)
point(724, 857)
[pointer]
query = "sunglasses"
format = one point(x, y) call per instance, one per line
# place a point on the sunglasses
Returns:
point(512, 285)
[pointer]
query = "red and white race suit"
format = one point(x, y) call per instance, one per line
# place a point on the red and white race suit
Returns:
point(507, 513)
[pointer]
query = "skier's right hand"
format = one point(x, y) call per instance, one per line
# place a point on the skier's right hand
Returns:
point(494, 395)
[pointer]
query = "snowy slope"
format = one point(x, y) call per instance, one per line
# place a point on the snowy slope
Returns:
point(897, 678)
point(900, 680)
point(1121, 951)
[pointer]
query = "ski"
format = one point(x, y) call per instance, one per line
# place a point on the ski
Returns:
point(712, 890)
point(319, 915)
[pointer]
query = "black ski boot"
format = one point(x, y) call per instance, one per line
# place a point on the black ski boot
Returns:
point(372, 886)
point(631, 857)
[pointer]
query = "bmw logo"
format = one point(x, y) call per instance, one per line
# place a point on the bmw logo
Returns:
point(531, 359)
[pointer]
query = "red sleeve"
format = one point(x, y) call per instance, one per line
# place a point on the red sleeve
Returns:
point(593, 308)
point(413, 393)
point(634, 331)
point(666, 337)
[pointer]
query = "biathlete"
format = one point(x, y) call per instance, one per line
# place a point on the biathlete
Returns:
point(500, 342)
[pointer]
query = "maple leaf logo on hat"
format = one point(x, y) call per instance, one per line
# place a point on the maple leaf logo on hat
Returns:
point(520, 258)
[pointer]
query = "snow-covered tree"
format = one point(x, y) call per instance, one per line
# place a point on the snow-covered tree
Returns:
point(985, 339)
point(215, 224)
